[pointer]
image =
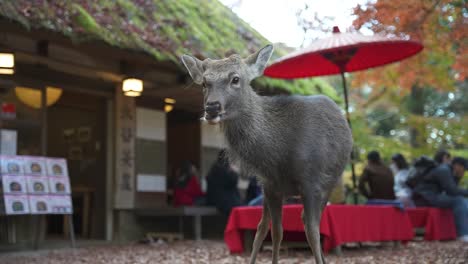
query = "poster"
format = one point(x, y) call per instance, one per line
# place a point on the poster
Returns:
point(34, 185)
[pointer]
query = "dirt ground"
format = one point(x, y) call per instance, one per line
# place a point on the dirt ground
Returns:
point(216, 252)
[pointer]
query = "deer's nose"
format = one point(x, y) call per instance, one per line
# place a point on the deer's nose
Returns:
point(213, 108)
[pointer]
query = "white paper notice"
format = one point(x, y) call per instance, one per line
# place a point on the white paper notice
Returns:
point(151, 183)
point(8, 140)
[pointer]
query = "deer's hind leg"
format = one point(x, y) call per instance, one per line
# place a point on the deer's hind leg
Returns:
point(313, 206)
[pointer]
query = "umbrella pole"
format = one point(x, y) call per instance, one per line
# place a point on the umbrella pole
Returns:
point(345, 90)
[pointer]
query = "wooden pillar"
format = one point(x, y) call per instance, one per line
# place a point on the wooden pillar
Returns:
point(125, 134)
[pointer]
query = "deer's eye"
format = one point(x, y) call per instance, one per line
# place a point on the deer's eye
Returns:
point(235, 80)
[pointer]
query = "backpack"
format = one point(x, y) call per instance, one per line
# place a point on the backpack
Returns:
point(421, 167)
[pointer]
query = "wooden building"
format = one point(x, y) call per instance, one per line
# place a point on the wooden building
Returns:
point(76, 54)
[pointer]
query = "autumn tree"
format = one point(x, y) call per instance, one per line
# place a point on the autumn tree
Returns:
point(442, 27)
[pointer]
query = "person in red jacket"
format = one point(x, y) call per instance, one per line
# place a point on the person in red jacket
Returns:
point(187, 187)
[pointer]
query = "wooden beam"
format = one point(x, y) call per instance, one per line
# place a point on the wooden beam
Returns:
point(97, 49)
point(37, 77)
point(153, 78)
point(68, 67)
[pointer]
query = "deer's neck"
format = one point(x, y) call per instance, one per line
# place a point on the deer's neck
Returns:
point(249, 124)
point(250, 135)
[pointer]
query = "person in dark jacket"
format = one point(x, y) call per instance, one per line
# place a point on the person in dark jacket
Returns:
point(438, 188)
point(222, 191)
point(376, 181)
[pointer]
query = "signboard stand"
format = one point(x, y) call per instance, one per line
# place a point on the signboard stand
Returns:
point(68, 220)
point(72, 231)
point(35, 186)
point(37, 235)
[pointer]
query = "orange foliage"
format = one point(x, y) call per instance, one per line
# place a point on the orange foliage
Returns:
point(442, 27)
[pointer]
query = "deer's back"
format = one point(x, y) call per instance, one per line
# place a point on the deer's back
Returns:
point(309, 119)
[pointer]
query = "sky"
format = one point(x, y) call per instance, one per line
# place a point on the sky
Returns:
point(276, 19)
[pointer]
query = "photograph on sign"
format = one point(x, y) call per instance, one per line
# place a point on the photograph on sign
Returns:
point(57, 167)
point(59, 185)
point(39, 204)
point(38, 184)
point(14, 184)
point(16, 204)
point(11, 165)
point(34, 166)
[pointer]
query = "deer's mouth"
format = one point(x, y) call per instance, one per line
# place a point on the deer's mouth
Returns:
point(214, 119)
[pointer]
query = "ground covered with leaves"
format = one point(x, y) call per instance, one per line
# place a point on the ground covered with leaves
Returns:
point(216, 252)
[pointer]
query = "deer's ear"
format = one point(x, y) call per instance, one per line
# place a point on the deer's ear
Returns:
point(194, 67)
point(257, 62)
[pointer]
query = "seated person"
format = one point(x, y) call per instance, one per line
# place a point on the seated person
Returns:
point(187, 189)
point(253, 194)
point(462, 182)
point(402, 191)
point(222, 182)
point(438, 189)
point(378, 177)
point(442, 157)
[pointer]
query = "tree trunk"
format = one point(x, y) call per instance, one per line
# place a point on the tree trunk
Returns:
point(416, 107)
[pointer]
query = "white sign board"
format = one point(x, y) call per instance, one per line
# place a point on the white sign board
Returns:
point(151, 183)
point(8, 140)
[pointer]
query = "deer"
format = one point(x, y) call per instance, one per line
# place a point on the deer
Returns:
point(296, 145)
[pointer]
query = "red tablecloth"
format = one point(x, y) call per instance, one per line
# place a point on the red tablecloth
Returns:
point(438, 223)
point(340, 224)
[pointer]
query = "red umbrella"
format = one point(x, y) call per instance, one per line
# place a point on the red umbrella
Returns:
point(340, 53)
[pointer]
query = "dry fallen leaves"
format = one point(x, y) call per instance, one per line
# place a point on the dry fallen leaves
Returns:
point(216, 252)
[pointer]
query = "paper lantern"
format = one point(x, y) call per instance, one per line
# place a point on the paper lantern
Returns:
point(132, 87)
point(7, 63)
point(33, 97)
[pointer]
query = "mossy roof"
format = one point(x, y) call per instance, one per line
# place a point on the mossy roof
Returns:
point(163, 28)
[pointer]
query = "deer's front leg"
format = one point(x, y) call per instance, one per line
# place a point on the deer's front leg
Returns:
point(262, 231)
point(275, 204)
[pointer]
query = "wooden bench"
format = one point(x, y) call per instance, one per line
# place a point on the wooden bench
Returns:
point(197, 212)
